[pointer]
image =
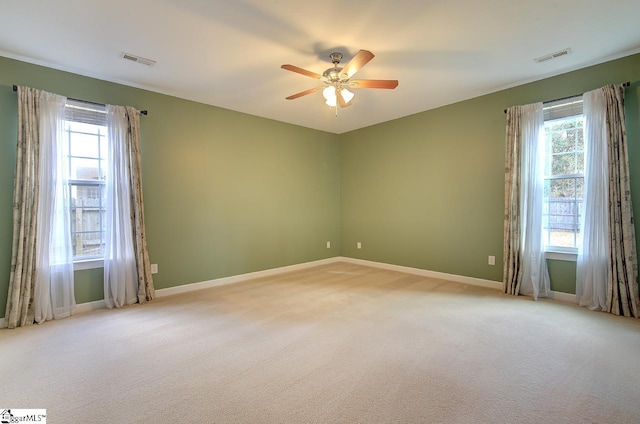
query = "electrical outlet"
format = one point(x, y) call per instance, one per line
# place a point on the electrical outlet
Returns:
point(328, 245)
point(154, 268)
point(359, 245)
point(492, 260)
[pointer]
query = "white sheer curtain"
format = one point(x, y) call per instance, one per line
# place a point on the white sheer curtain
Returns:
point(593, 253)
point(535, 277)
point(54, 286)
point(525, 270)
point(120, 272)
point(607, 270)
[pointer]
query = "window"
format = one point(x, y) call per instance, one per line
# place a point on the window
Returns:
point(564, 174)
point(86, 135)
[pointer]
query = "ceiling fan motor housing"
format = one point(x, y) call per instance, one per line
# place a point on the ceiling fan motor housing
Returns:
point(333, 74)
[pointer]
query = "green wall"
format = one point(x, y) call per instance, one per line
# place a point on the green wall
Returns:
point(427, 190)
point(228, 193)
point(225, 193)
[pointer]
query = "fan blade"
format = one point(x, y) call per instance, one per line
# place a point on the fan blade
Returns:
point(357, 62)
point(341, 101)
point(391, 84)
point(302, 71)
point(304, 93)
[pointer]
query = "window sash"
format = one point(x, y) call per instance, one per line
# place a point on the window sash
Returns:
point(78, 230)
point(562, 214)
point(560, 224)
point(87, 217)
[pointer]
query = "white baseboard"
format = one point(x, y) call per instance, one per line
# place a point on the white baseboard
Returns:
point(90, 306)
point(555, 295)
point(563, 297)
point(100, 304)
point(426, 273)
point(497, 285)
point(80, 308)
point(241, 277)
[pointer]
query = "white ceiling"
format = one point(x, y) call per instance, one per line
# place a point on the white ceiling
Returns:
point(228, 53)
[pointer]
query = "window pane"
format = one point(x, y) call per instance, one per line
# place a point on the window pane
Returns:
point(580, 139)
point(103, 170)
point(562, 238)
point(563, 164)
point(580, 164)
point(81, 127)
point(564, 146)
point(85, 195)
point(562, 188)
point(580, 188)
point(87, 219)
point(85, 145)
point(564, 157)
point(563, 131)
point(84, 169)
point(562, 211)
point(562, 142)
point(87, 160)
point(104, 153)
point(87, 244)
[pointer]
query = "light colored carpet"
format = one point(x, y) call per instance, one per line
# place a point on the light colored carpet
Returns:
point(336, 343)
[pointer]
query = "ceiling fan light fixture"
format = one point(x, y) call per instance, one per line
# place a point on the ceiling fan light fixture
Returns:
point(339, 78)
point(329, 94)
point(347, 95)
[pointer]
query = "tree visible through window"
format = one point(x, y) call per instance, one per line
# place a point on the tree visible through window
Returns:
point(564, 179)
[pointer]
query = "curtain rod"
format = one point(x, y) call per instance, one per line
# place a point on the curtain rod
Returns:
point(143, 112)
point(626, 84)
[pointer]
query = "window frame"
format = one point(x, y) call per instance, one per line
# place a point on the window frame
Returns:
point(77, 111)
point(557, 110)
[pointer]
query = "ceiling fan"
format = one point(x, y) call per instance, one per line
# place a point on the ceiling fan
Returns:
point(337, 80)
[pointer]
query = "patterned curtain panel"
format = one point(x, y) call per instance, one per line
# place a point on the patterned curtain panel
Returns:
point(41, 277)
point(525, 268)
point(622, 285)
point(120, 274)
point(607, 268)
point(512, 271)
point(146, 291)
point(20, 306)
point(127, 270)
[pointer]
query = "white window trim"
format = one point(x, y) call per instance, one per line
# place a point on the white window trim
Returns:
point(83, 264)
point(561, 255)
point(556, 110)
point(94, 114)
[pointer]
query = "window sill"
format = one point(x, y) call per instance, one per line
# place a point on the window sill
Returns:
point(88, 264)
point(561, 256)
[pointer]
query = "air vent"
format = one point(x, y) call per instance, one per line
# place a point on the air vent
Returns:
point(555, 55)
point(138, 59)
